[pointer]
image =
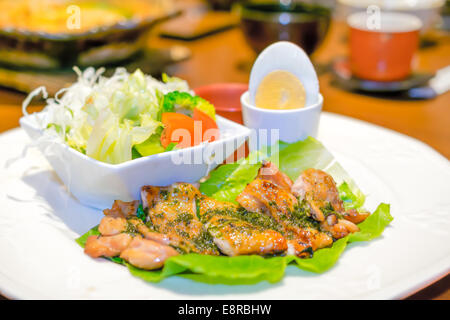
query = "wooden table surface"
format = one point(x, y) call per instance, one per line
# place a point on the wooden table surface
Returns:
point(225, 57)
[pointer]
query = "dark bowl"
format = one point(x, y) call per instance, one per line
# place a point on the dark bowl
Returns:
point(268, 22)
point(21, 48)
point(222, 4)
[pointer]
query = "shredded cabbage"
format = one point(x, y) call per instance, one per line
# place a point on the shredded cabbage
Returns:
point(105, 117)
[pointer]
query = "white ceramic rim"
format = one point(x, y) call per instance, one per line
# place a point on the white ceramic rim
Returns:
point(246, 104)
point(391, 22)
point(333, 125)
point(397, 4)
point(131, 162)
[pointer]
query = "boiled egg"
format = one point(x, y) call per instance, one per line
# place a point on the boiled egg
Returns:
point(283, 77)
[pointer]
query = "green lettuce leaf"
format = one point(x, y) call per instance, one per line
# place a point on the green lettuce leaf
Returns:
point(370, 229)
point(82, 240)
point(353, 199)
point(135, 154)
point(233, 270)
point(310, 153)
point(322, 259)
point(150, 146)
point(253, 269)
point(374, 225)
point(171, 146)
point(301, 155)
point(227, 181)
point(94, 232)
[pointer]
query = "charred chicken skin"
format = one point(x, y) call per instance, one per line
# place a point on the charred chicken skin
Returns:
point(318, 189)
point(273, 216)
point(235, 236)
point(265, 197)
point(173, 211)
point(121, 231)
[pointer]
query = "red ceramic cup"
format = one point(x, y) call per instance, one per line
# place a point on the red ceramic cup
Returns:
point(225, 97)
point(382, 46)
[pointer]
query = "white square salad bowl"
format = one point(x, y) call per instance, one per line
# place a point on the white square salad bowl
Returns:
point(98, 184)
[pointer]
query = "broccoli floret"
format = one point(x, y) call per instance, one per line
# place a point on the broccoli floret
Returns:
point(183, 102)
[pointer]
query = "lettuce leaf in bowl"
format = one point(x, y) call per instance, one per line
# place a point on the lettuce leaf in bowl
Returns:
point(227, 181)
point(110, 119)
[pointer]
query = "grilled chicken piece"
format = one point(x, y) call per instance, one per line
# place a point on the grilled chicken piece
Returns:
point(119, 238)
point(296, 247)
point(270, 172)
point(110, 226)
point(180, 216)
point(320, 192)
point(147, 254)
point(208, 207)
point(338, 228)
point(305, 240)
point(265, 197)
point(110, 246)
point(122, 209)
point(355, 216)
point(235, 236)
point(121, 235)
point(173, 212)
point(147, 233)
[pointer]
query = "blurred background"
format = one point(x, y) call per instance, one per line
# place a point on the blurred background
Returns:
point(216, 41)
point(41, 40)
point(208, 42)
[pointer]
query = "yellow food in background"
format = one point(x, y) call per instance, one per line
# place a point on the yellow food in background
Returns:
point(52, 16)
point(280, 90)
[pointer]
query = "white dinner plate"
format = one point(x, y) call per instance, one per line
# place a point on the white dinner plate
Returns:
point(39, 221)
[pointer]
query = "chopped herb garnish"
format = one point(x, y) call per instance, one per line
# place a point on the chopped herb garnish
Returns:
point(141, 213)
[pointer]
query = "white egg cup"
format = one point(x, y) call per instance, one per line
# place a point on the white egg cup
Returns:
point(293, 124)
point(288, 57)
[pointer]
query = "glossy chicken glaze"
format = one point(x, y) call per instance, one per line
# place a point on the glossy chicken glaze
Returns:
point(273, 216)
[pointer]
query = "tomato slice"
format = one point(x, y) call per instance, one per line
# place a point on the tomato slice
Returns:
point(178, 128)
point(210, 131)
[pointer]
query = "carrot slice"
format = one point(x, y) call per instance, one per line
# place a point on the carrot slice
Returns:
point(178, 128)
point(210, 131)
